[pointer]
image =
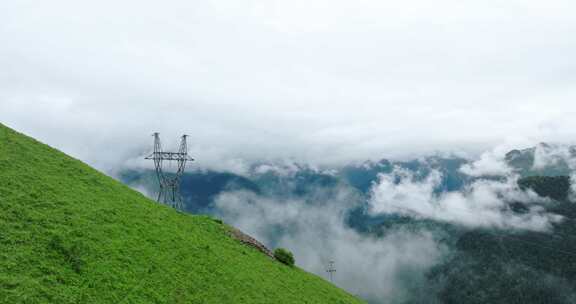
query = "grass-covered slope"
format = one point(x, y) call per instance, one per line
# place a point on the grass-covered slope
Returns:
point(69, 234)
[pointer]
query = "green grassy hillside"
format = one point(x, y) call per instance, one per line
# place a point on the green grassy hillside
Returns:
point(69, 234)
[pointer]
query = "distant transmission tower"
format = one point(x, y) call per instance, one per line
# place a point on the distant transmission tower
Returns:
point(169, 192)
point(331, 270)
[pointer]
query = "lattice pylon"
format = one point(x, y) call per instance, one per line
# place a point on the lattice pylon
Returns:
point(331, 269)
point(169, 190)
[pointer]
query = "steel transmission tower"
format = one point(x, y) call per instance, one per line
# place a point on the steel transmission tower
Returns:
point(331, 270)
point(169, 192)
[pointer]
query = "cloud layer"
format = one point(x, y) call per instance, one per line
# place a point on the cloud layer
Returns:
point(483, 203)
point(389, 269)
point(319, 81)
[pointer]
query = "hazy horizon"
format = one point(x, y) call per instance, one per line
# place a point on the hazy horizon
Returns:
point(325, 82)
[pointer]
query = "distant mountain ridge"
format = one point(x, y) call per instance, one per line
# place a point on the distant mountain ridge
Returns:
point(201, 187)
point(543, 159)
point(485, 264)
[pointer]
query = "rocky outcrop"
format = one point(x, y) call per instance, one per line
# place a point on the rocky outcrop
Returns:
point(250, 241)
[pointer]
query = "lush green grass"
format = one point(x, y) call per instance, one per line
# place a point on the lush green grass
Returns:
point(69, 234)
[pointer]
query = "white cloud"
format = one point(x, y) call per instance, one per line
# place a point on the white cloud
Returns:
point(490, 163)
point(550, 155)
point(483, 203)
point(318, 81)
point(374, 268)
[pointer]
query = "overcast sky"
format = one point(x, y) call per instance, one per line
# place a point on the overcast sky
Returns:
point(313, 80)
